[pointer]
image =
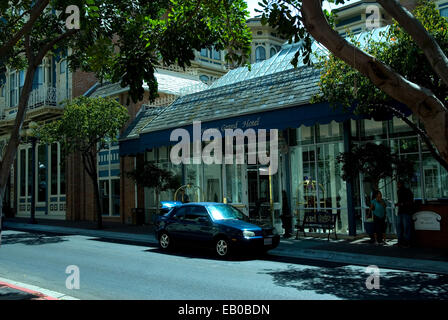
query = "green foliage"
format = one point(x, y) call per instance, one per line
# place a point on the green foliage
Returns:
point(375, 162)
point(285, 15)
point(124, 40)
point(86, 126)
point(342, 85)
point(150, 176)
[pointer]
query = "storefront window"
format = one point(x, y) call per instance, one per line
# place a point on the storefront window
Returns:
point(373, 130)
point(115, 196)
point(435, 178)
point(30, 176)
point(42, 173)
point(54, 169)
point(22, 172)
point(104, 196)
point(213, 182)
point(329, 132)
point(234, 180)
point(316, 179)
point(193, 176)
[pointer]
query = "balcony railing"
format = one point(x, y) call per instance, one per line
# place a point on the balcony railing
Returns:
point(44, 96)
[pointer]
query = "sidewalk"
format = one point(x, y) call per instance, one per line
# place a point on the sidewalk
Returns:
point(345, 251)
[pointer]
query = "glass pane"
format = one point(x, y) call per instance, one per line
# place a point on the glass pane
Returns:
point(329, 132)
point(305, 135)
point(54, 169)
point(399, 126)
point(371, 130)
point(62, 177)
point(212, 174)
point(104, 196)
point(115, 197)
point(435, 178)
point(193, 176)
point(30, 178)
point(22, 172)
point(234, 183)
point(151, 155)
point(42, 173)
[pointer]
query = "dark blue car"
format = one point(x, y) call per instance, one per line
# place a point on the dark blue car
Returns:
point(215, 225)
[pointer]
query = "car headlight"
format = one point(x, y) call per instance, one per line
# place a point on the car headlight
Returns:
point(248, 234)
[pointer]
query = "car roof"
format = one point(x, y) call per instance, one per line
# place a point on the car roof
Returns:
point(202, 204)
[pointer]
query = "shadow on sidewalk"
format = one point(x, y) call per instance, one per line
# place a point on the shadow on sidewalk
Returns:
point(350, 283)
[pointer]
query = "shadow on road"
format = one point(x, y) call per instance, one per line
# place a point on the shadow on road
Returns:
point(17, 296)
point(200, 253)
point(31, 238)
point(350, 283)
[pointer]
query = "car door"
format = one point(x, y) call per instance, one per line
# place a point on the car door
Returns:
point(177, 226)
point(200, 225)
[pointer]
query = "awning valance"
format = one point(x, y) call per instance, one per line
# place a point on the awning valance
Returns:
point(292, 117)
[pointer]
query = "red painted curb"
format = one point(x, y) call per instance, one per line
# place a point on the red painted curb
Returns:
point(40, 296)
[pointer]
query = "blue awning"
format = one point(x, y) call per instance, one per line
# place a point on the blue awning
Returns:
point(292, 117)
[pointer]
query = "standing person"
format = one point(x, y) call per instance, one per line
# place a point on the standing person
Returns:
point(286, 216)
point(404, 218)
point(378, 208)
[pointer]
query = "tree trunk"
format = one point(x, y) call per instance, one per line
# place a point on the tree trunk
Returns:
point(98, 203)
point(88, 160)
point(429, 109)
point(2, 196)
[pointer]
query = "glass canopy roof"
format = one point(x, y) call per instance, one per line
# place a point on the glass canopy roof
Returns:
point(282, 60)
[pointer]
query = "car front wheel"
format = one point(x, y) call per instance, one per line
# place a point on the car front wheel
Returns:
point(222, 248)
point(165, 241)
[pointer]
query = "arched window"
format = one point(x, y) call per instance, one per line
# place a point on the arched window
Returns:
point(260, 54)
point(273, 51)
point(204, 78)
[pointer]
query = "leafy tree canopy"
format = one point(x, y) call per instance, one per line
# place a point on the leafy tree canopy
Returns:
point(343, 85)
point(87, 125)
point(375, 162)
point(124, 40)
point(150, 176)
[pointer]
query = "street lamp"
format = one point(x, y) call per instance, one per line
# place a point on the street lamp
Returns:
point(30, 134)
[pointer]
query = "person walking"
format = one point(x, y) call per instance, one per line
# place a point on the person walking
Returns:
point(378, 207)
point(286, 216)
point(404, 218)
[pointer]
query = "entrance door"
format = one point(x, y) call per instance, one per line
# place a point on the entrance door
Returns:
point(263, 194)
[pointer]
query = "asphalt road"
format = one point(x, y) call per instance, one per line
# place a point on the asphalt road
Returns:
point(110, 270)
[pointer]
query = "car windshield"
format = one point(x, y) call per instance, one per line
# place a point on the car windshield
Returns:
point(224, 212)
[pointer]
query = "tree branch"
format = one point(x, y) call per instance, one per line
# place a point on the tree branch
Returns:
point(420, 132)
point(47, 47)
point(431, 111)
point(26, 29)
point(422, 38)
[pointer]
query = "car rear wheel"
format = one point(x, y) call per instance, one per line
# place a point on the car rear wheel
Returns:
point(222, 248)
point(165, 241)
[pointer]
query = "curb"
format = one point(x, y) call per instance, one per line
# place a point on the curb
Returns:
point(414, 265)
point(41, 293)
